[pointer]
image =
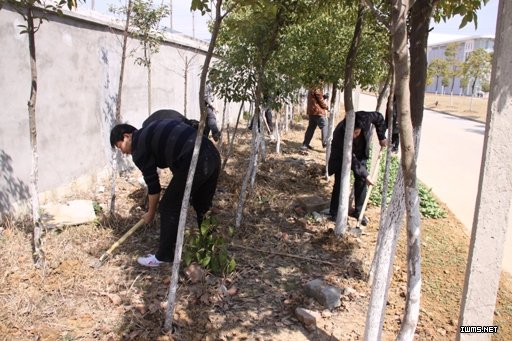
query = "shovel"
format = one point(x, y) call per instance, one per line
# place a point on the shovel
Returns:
point(369, 191)
point(121, 240)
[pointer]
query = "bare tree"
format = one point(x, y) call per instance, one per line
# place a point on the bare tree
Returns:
point(27, 9)
point(171, 297)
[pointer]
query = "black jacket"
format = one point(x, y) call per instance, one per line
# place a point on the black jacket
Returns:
point(162, 144)
point(365, 119)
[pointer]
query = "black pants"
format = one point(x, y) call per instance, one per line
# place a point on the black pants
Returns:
point(315, 121)
point(359, 193)
point(201, 196)
point(395, 141)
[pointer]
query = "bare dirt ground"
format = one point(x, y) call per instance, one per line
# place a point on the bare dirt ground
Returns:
point(278, 249)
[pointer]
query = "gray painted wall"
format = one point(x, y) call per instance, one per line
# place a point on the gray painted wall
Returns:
point(78, 62)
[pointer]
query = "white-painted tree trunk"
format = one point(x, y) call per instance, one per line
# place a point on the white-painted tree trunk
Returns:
point(384, 259)
point(277, 133)
point(342, 216)
point(493, 215)
point(399, 11)
point(243, 190)
point(171, 296)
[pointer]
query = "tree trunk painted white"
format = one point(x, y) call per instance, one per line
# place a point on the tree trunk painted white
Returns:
point(412, 299)
point(260, 141)
point(342, 215)
point(287, 117)
point(399, 13)
point(493, 215)
point(171, 296)
point(243, 190)
point(34, 174)
point(261, 132)
point(384, 258)
point(277, 132)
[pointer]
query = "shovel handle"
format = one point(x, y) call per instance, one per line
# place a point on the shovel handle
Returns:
point(370, 187)
point(121, 240)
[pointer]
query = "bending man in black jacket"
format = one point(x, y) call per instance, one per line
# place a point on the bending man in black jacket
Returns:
point(360, 154)
point(169, 143)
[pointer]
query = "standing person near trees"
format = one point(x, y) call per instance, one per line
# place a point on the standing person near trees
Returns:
point(211, 118)
point(316, 108)
point(169, 143)
point(360, 154)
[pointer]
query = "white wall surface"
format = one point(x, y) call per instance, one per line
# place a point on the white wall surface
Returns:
point(78, 66)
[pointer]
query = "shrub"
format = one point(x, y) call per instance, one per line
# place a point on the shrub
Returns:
point(429, 207)
point(207, 248)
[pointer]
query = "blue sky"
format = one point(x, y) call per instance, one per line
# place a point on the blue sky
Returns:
point(486, 24)
point(183, 21)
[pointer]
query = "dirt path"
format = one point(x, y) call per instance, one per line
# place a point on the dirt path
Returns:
point(122, 301)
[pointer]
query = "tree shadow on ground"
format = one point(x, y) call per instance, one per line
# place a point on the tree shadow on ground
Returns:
point(277, 251)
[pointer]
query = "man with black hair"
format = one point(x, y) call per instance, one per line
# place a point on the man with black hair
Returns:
point(360, 154)
point(169, 143)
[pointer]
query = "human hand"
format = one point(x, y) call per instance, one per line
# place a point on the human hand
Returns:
point(369, 182)
point(383, 143)
point(148, 217)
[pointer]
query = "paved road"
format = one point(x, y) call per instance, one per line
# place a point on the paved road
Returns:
point(449, 161)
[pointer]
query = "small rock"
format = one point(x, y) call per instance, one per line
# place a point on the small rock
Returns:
point(232, 291)
point(303, 222)
point(326, 313)
point(349, 292)
point(194, 273)
point(326, 295)
point(115, 299)
point(166, 280)
point(317, 217)
point(307, 317)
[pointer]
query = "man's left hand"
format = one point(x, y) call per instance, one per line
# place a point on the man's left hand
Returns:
point(383, 143)
point(369, 181)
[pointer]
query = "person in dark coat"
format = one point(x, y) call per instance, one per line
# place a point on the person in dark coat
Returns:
point(162, 144)
point(360, 154)
point(169, 114)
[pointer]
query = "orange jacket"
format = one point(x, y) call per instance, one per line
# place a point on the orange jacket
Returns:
point(316, 103)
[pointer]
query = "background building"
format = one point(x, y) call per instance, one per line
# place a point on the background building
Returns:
point(464, 46)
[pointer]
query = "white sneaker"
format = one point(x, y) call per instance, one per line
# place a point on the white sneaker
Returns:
point(149, 260)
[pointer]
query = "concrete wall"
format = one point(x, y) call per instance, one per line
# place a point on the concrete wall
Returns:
point(78, 65)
